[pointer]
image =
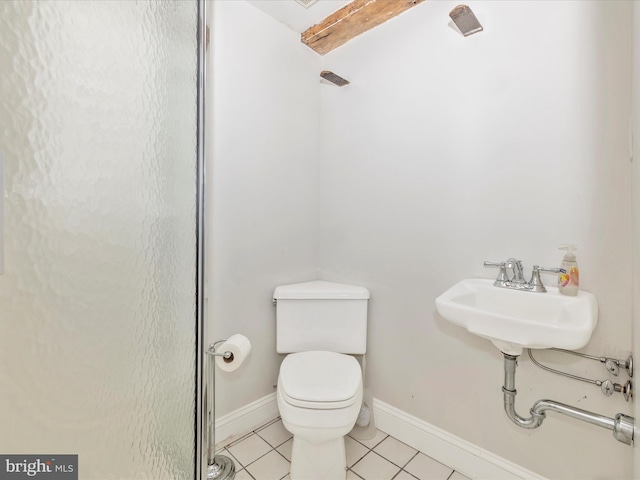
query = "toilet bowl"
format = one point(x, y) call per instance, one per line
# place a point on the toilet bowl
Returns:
point(319, 397)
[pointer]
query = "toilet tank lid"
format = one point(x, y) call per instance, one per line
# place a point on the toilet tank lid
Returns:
point(320, 289)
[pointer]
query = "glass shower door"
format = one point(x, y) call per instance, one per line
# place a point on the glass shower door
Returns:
point(98, 129)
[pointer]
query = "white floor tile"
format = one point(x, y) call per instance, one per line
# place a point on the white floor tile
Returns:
point(426, 468)
point(272, 466)
point(373, 441)
point(275, 434)
point(355, 450)
point(374, 467)
point(243, 475)
point(395, 451)
point(285, 449)
point(266, 455)
point(458, 476)
point(249, 449)
point(404, 476)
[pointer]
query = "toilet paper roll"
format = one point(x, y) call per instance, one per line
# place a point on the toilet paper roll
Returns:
point(239, 346)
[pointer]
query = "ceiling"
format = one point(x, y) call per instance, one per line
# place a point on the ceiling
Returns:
point(294, 15)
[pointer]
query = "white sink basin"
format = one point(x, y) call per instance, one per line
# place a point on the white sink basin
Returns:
point(514, 320)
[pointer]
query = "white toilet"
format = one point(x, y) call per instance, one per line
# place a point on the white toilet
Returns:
point(320, 386)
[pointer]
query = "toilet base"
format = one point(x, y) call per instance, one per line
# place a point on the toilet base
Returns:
point(313, 461)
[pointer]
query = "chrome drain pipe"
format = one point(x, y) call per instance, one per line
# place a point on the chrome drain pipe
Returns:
point(622, 425)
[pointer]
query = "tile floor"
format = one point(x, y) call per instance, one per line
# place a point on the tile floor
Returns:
point(265, 453)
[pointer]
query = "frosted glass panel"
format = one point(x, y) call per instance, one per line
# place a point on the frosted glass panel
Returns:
point(97, 299)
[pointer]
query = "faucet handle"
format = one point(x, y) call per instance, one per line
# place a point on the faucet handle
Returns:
point(493, 264)
point(502, 279)
point(535, 282)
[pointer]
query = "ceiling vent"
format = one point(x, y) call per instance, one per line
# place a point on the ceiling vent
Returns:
point(306, 3)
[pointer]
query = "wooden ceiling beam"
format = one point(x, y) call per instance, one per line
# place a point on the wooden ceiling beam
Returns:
point(351, 20)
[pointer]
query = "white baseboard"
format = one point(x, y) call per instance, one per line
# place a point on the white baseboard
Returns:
point(462, 456)
point(246, 419)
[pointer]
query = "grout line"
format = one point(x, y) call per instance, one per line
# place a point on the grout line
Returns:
point(371, 448)
point(280, 446)
point(276, 446)
point(248, 473)
point(235, 460)
point(451, 474)
point(394, 463)
point(348, 469)
point(272, 450)
point(414, 456)
point(384, 458)
point(282, 456)
point(290, 438)
point(404, 471)
point(244, 437)
point(249, 464)
point(360, 459)
point(238, 440)
point(268, 424)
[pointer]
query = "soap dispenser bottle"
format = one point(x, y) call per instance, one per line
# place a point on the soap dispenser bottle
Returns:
point(569, 275)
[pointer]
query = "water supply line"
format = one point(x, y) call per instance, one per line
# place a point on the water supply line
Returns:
point(622, 425)
point(611, 364)
point(607, 386)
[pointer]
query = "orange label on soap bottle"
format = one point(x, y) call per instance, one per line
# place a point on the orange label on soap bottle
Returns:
point(574, 275)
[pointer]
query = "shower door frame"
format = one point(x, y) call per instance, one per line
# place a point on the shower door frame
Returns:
point(201, 330)
point(201, 327)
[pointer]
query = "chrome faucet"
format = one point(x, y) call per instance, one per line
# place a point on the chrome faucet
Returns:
point(515, 266)
point(511, 275)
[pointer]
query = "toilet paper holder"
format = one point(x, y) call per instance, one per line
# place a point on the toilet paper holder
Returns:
point(219, 467)
point(228, 356)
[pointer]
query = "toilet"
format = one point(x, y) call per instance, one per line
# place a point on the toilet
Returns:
point(319, 325)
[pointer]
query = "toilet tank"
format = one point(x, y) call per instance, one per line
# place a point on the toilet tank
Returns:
point(321, 315)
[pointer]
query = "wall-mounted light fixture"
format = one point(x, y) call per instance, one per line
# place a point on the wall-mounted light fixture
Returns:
point(465, 20)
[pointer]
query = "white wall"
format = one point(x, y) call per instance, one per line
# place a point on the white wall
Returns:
point(443, 152)
point(447, 151)
point(264, 189)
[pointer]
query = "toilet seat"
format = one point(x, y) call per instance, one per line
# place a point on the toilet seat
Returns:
point(320, 380)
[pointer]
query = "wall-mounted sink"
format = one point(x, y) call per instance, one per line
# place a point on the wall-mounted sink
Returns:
point(514, 319)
